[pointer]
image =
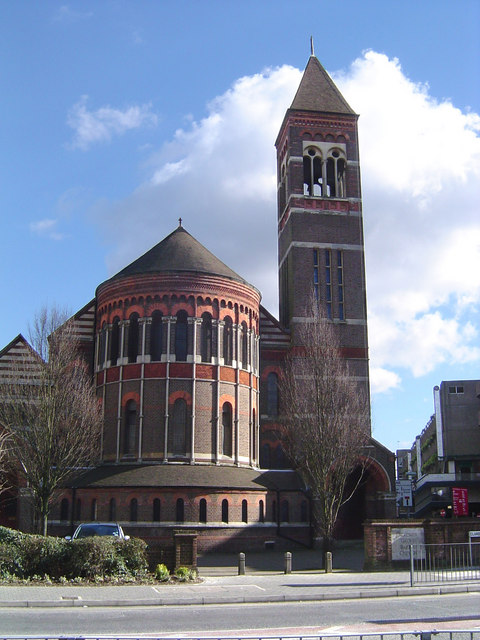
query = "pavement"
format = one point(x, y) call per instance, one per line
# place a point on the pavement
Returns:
point(264, 581)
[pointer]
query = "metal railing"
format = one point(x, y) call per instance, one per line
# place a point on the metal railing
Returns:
point(406, 635)
point(454, 562)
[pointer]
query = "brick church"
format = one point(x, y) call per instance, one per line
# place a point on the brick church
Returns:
point(186, 361)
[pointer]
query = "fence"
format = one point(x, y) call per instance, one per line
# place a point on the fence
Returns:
point(444, 562)
point(411, 635)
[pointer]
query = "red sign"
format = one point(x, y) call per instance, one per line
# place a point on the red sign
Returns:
point(460, 501)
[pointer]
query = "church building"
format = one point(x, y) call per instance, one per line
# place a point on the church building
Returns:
point(186, 360)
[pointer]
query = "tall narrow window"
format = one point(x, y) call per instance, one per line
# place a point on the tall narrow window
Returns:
point(102, 344)
point(284, 511)
point(156, 510)
point(112, 511)
point(272, 394)
point(206, 338)
point(315, 273)
point(133, 510)
point(304, 511)
point(180, 510)
point(341, 309)
point(78, 510)
point(227, 429)
point(274, 511)
point(244, 511)
point(228, 341)
point(93, 509)
point(133, 338)
point(114, 341)
point(244, 342)
point(181, 334)
point(261, 511)
point(225, 511)
point(130, 427)
point(156, 336)
point(328, 283)
point(202, 516)
point(64, 505)
point(177, 432)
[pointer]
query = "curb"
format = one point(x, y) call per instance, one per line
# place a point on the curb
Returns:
point(78, 602)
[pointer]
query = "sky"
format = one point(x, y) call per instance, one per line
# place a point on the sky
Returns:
point(118, 117)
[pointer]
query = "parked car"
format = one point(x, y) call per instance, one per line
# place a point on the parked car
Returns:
point(98, 529)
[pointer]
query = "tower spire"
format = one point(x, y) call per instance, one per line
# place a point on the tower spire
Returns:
point(312, 50)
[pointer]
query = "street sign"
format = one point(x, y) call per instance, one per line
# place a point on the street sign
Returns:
point(460, 501)
point(404, 493)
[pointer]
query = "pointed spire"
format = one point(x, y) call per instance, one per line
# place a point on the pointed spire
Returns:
point(312, 50)
point(317, 91)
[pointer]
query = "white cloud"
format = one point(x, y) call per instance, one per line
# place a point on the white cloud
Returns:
point(420, 161)
point(101, 125)
point(66, 14)
point(47, 228)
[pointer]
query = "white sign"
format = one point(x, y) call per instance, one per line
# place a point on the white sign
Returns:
point(404, 492)
point(402, 538)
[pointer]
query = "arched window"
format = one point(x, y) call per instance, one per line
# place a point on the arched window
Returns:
point(156, 336)
point(181, 334)
point(102, 345)
point(78, 511)
point(225, 511)
point(64, 507)
point(284, 511)
point(336, 174)
point(133, 338)
point(112, 511)
point(115, 341)
point(261, 511)
point(304, 511)
point(272, 394)
point(156, 510)
point(93, 509)
point(312, 173)
point(180, 510)
point(130, 427)
point(244, 511)
point(202, 516)
point(265, 456)
point(227, 435)
point(228, 341)
point(274, 511)
point(133, 510)
point(177, 429)
point(244, 345)
point(206, 338)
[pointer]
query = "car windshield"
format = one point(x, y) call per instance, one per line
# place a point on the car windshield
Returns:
point(97, 530)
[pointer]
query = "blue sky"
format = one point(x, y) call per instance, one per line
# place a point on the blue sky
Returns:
point(117, 117)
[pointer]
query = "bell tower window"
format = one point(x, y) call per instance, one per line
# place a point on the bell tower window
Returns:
point(324, 168)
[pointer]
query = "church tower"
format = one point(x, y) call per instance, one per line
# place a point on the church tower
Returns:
point(320, 228)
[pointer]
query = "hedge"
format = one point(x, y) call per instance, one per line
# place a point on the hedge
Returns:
point(27, 556)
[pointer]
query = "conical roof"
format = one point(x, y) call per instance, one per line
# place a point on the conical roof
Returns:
point(179, 252)
point(318, 92)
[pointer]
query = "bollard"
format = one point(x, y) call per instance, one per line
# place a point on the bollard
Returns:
point(328, 562)
point(241, 564)
point(288, 562)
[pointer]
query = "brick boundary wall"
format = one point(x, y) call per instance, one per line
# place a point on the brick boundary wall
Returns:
point(378, 537)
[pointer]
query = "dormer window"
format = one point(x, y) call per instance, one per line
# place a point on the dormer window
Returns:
point(324, 169)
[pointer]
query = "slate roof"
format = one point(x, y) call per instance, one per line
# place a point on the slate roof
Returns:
point(185, 475)
point(179, 252)
point(318, 92)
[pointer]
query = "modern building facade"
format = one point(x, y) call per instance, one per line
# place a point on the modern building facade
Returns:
point(186, 360)
point(445, 457)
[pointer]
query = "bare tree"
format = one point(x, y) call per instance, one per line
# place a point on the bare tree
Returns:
point(325, 419)
point(49, 411)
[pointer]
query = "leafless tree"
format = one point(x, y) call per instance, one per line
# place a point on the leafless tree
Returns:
point(49, 411)
point(325, 419)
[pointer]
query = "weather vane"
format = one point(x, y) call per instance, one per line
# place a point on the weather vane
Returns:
point(179, 222)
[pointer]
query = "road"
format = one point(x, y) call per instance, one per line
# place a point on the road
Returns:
point(460, 611)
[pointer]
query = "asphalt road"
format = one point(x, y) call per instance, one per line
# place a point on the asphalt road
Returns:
point(460, 611)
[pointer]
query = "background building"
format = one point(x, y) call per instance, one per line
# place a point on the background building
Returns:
point(446, 455)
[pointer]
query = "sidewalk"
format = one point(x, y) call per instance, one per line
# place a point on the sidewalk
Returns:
point(264, 582)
